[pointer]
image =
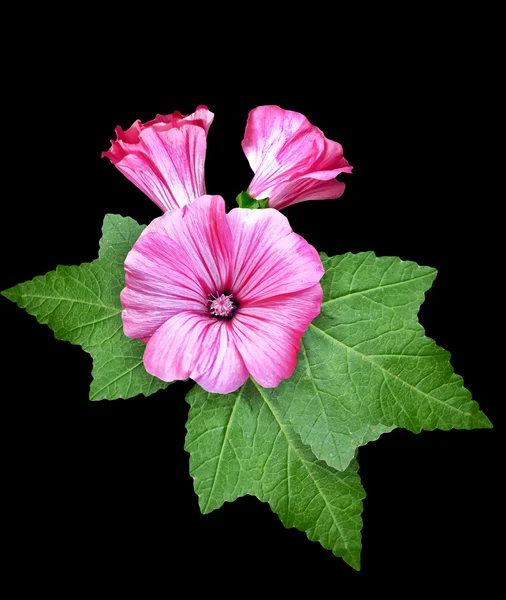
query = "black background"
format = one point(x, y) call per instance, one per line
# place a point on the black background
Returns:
point(108, 482)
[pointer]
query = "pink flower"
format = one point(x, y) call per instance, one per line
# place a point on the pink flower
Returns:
point(165, 157)
point(293, 161)
point(219, 296)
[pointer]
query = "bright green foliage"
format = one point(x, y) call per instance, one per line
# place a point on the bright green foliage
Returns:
point(365, 361)
point(243, 443)
point(82, 306)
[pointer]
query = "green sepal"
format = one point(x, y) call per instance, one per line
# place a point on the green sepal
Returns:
point(244, 200)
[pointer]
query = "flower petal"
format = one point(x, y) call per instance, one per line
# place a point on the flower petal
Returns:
point(279, 144)
point(199, 347)
point(165, 156)
point(319, 183)
point(178, 261)
point(331, 157)
point(201, 117)
point(179, 155)
point(138, 169)
point(291, 158)
point(203, 233)
point(131, 135)
point(269, 259)
point(267, 333)
point(203, 114)
point(307, 188)
point(160, 283)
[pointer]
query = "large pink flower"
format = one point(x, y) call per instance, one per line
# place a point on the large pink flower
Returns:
point(219, 296)
point(165, 157)
point(293, 161)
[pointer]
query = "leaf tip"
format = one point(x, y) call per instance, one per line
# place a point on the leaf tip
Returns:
point(10, 293)
point(477, 419)
point(353, 559)
point(485, 422)
point(433, 272)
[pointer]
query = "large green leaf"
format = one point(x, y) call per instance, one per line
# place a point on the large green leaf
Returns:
point(365, 361)
point(82, 306)
point(243, 443)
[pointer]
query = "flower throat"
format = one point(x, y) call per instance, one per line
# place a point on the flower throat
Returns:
point(222, 306)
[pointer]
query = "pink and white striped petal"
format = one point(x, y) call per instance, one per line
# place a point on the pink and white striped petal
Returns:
point(165, 157)
point(297, 191)
point(190, 345)
point(277, 142)
point(202, 232)
point(267, 333)
point(179, 260)
point(290, 158)
point(269, 258)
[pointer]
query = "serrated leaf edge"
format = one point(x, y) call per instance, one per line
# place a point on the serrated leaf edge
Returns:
point(433, 272)
point(352, 563)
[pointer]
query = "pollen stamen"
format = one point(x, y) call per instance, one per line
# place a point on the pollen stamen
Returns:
point(222, 305)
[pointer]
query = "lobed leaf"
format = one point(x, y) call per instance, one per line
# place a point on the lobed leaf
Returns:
point(243, 443)
point(365, 361)
point(82, 306)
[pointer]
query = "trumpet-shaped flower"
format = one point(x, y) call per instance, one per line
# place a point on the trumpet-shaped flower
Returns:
point(165, 157)
point(293, 161)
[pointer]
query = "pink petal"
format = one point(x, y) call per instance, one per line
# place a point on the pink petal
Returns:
point(331, 157)
point(179, 260)
point(307, 188)
point(131, 135)
point(141, 171)
point(179, 155)
point(267, 333)
point(279, 144)
point(269, 259)
point(198, 347)
point(171, 119)
point(319, 183)
point(165, 157)
point(202, 232)
point(203, 114)
point(291, 158)
point(160, 282)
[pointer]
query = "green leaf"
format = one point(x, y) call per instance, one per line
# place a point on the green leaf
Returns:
point(365, 361)
point(243, 443)
point(82, 306)
point(119, 234)
point(244, 200)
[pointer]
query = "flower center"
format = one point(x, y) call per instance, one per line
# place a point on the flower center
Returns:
point(222, 305)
